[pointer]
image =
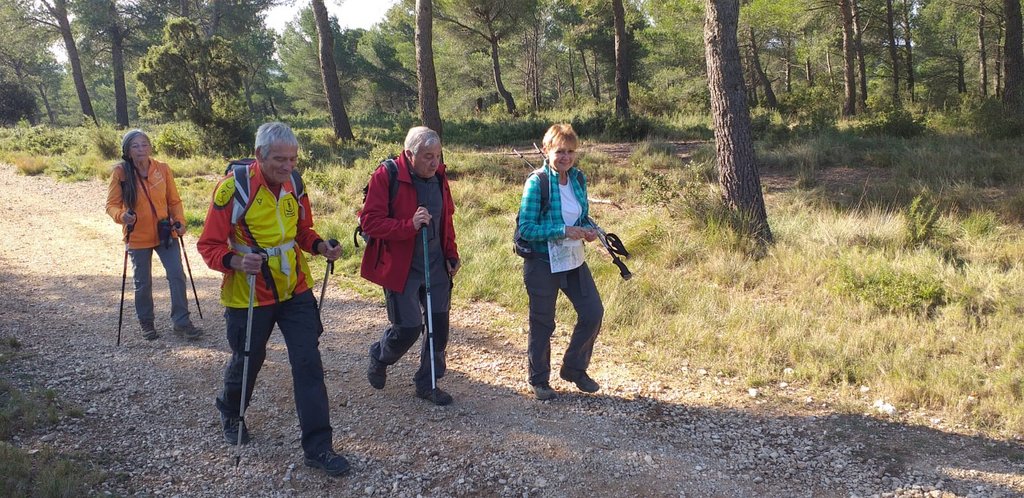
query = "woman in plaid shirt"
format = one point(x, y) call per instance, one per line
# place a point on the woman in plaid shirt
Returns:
point(556, 230)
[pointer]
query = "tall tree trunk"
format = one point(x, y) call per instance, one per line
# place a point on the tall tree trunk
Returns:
point(425, 74)
point(1013, 60)
point(59, 11)
point(894, 56)
point(329, 72)
point(572, 77)
point(849, 60)
point(831, 71)
point(809, 73)
point(789, 63)
point(591, 84)
point(769, 95)
point(734, 145)
point(622, 62)
point(908, 46)
point(50, 114)
point(999, 62)
point(597, 78)
point(510, 103)
point(858, 38)
point(982, 52)
point(961, 78)
point(117, 61)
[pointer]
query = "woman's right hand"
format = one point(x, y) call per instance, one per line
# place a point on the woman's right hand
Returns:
point(575, 233)
point(128, 218)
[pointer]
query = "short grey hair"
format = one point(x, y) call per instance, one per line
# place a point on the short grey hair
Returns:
point(272, 133)
point(420, 136)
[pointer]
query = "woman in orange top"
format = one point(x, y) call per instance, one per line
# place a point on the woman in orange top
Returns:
point(142, 197)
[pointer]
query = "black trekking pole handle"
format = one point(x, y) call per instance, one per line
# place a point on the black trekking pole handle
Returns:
point(327, 271)
point(623, 270)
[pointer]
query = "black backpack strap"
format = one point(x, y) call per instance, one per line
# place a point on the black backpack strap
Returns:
point(392, 168)
point(545, 191)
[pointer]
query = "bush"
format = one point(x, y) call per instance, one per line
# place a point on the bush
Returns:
point(922, 220)
point(105, 142)
point(179, 140)
point(16, 103)
point(890, 289)
point(893, 123)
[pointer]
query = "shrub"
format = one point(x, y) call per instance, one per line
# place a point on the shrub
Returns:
point(104, 141)
point(890, 289)
point(922, 220)
point(179, 140)
point(16, 103)
point(893, 123)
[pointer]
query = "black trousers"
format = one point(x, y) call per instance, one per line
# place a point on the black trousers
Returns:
point(542, 287)
point(300, 325)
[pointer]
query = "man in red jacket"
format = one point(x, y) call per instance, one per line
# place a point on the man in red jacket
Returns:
point(396, 260)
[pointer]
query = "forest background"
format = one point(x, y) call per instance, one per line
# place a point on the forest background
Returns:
point(887, 137)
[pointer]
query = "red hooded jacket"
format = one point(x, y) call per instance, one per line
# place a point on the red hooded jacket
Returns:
point(388, 256)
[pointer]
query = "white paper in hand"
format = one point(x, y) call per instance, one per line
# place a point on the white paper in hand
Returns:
point(565, 254)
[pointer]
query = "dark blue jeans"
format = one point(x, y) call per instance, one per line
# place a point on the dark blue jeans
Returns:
point(300, 325)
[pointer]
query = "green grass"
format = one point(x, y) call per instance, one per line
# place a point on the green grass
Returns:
point(860, 288)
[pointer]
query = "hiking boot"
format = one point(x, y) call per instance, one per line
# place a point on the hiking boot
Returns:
point(188, 331)
point(231, 425)
point(328, 461)
point(148, 331)
point(543, 392)
point(582, 380)
point(435, 396)
point(376, 373)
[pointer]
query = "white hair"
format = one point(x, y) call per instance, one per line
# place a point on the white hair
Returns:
point(420, 136)
point(272, 133)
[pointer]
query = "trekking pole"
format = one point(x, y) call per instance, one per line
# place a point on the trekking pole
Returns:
point(328, 271)
point(124, 277)
point(613, 245)
point(430, 310)
point(245, 366)
point(181, 242)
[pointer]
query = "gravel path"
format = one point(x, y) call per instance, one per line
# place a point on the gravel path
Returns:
point(151, 424)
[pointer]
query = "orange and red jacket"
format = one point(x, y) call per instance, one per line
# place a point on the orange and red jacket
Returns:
point(388, 257)
point(162, 191)
point(283, 222)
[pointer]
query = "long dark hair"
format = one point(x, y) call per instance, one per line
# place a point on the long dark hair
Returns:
point(128, 189)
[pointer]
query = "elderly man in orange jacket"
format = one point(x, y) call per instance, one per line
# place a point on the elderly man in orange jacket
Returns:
point(260, 223)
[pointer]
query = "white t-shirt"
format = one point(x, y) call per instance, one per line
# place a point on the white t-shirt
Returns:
point(571, 209)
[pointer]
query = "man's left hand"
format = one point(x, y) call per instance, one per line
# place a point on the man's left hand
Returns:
point(180, 228)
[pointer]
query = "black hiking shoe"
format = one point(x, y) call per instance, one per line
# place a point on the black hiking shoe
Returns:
point(435, 396)
point(376, 373)
point(328, 461)
point(582, 380)
point(148, 331)
point(543, 392)
point(231, 425)
point(189, 331)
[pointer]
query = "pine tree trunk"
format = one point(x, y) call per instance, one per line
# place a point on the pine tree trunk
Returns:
point(769, 95)
point(510, 103)
point(425, 73)
point(894, 56)
point(1013, 60)
point(622, 62)
point(982, 53)
point(737, 165)
point(849, 60)
point(908, 46)
point(329, 73)
point(50, 114)
point(858, 38)
point(59, 11)
point(117, 63)
point(590, 80)
point(999, 62)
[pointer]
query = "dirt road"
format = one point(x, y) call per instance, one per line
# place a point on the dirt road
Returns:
point(150, 421)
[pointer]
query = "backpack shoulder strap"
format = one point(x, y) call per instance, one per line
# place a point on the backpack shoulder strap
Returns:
point(545, 190)
point(392, 168)
point(240, 171)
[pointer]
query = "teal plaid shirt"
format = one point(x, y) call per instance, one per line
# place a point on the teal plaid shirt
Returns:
point(537, 230)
